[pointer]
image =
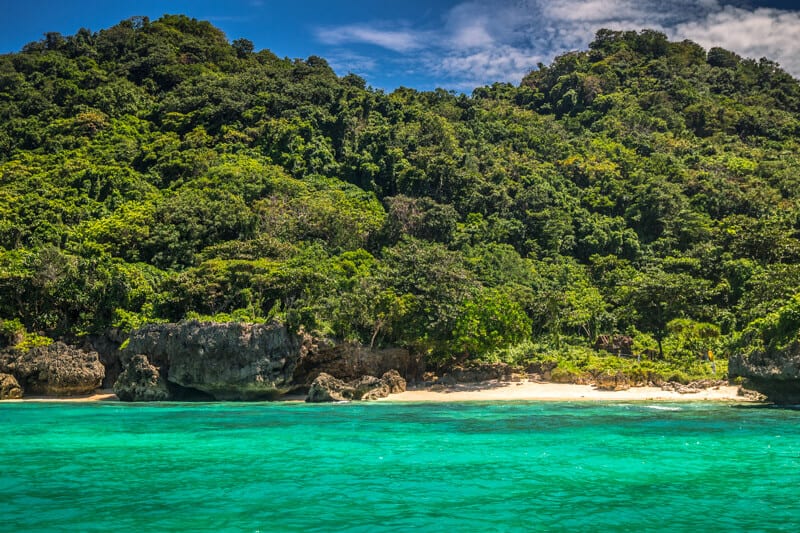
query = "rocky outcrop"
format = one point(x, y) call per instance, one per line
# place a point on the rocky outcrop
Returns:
point(615, 344)
point(540, 370)
point(395, 381)
point(140, 381)
point(240, 361)
point(54, 370)
point(612, 381)
point(772, 372)
point(327, 388)
point(9, 388)
point(476, 374)
point(349, 361)
point(693, 386)
point(107, 347)
point(227, 361)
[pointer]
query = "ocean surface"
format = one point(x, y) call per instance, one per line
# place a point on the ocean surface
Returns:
point(521, 466)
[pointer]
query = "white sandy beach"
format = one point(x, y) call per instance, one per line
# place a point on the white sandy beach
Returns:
point(530, 390)
point(500, 391)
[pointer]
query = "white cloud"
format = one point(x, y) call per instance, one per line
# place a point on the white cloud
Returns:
point(497, 63)
point(396, 40)
point(483, 42)
point(345, 61)
point(760, 33)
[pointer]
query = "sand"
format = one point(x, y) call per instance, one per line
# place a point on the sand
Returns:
point(530, 390)
point(501, 391)
point(97, 396)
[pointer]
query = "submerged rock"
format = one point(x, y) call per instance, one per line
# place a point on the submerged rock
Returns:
point(54, 370)
point(9, 388)
point(140, 381)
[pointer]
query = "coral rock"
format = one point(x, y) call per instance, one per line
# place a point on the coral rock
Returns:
point(54, 370)
point(140, 381)
point(9, 388)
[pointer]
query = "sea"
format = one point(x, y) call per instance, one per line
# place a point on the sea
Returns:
point(444, 467)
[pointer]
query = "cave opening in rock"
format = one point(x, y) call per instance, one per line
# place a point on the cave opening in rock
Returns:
point(188, 394)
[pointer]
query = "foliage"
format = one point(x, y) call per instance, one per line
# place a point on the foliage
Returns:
point(13, 334)
point(154, 171)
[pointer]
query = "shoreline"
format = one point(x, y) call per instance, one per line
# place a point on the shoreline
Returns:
point(499, 391)
point(561, 392)
point(101, 395)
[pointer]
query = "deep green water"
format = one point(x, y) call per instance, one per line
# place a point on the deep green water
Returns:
point(375, 467)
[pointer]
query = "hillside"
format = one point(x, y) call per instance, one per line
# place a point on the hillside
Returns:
point(153, 171)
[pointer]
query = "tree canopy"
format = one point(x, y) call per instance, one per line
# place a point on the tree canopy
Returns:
point(155, 171)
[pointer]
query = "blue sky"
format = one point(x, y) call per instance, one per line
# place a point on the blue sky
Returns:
point(455, 44)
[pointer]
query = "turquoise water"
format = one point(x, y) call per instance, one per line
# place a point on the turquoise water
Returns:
point(393, 467)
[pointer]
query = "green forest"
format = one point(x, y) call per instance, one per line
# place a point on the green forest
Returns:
point(641, 192)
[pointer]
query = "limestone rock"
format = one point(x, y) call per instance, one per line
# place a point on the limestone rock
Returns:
point(693, 386)
point(54, 370)
point(228, 361)
point(140, 381)
point(477, 373)
point(771, 372)
point(327, 388)
point(350, 361)
point(612, 381)
point(394, 381)
point(370, 388)
point(107, 347)
point(9, 388)
point(615, 344)
point(240, 361)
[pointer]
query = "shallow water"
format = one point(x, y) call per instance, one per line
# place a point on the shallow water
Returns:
point(366, 467)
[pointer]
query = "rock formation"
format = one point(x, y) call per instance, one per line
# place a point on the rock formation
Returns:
point(612, 381)
point(615, 344)
point(693, 386)
point(9, 388)
point(395, 381)
point(107, 347)
point(54, 370)
point(240, 361)
point(349, 361)
point(327, 388)
point(141, 382)
point(477, 373)
point(772, 372)
point(227, 361)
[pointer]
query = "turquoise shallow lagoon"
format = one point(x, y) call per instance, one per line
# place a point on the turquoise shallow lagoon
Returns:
point(394, 467)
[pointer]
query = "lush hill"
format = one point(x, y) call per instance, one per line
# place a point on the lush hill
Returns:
point(154, 171)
